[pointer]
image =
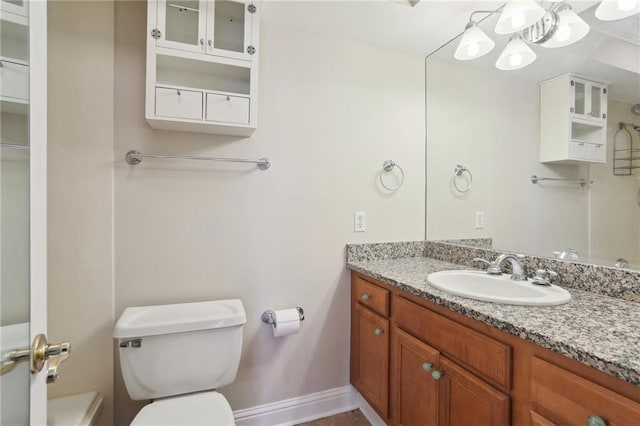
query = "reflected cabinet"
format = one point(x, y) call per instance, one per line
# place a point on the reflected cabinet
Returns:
point(573, 120)
point(202, 66)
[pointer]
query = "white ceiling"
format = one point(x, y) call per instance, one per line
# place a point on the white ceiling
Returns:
point(611, 51)
point(389, 24)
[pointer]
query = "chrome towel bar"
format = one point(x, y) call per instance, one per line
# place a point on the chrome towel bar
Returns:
point(135, 157)
point(582, 182)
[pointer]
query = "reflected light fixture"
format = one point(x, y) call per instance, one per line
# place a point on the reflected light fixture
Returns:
point(612, 10)
point(518, 15)
point(515, 55)
point(474, 42)
point(528, 23)
point(570, 28)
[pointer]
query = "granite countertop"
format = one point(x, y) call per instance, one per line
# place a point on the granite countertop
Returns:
point(600, 331)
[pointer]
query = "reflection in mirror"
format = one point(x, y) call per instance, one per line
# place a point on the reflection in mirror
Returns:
point(504, 131)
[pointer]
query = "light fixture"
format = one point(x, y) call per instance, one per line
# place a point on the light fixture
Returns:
point(516, 55)
point(518, 15)
point(569, 28)
point(474, 43)
point(612, 10)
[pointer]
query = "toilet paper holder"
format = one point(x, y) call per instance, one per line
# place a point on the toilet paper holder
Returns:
point(268, 316)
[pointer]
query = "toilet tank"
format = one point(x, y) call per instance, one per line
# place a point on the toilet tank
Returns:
point(169, 350)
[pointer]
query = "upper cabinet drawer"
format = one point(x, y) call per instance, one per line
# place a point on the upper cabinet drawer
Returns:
point(15, 80)
point(178, 103)
point(488, 357)
point(230, 109)
point(370, 295)
point(567, 399)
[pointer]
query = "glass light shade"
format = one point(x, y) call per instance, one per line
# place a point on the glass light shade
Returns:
point(516, 55)
point(612, 10)
point(571, 28)
point(518, 15)
point(473, 44)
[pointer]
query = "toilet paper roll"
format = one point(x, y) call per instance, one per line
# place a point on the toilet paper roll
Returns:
point(287, 321)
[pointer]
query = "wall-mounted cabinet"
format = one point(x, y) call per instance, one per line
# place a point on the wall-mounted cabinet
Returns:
point(573, 120)
point(17, 7)
point(14, 65)
point(202, 66)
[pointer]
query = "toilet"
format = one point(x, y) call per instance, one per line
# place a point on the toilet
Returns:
point(176, 356)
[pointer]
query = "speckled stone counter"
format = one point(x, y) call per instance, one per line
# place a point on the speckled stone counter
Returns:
point(600, 331)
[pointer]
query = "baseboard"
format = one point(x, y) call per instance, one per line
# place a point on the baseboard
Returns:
point(368, 411)
point(301, 409)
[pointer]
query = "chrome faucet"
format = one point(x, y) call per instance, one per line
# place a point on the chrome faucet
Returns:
point(495, 267)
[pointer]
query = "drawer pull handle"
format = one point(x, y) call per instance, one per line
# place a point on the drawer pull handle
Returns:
point(437, 374)
point(378, 331)
point(427, 366)
point(366, 297)
point(596, 421)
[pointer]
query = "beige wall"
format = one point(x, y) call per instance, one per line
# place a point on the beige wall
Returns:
point(488, 122)
point(330, 112)
point(80, 207)
point(615, 214)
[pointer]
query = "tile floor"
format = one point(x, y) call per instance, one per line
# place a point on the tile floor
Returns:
point(350, 418)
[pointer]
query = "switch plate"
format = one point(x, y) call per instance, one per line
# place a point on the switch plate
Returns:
point(359, 221)
point(479, 220)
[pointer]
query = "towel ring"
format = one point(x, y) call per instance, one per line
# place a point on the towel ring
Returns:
point(457, 172)
point(388, 166)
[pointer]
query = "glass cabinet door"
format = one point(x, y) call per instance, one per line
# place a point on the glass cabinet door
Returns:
point(589, 100)
point(182, 24)
point(229, 28)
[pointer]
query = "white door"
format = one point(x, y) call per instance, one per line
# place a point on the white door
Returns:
point(23, 202)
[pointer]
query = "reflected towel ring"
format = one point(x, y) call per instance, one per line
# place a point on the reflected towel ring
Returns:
point(457, 172)
point(388, 166)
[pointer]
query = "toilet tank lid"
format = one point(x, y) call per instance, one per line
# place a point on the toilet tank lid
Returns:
point(142, 321)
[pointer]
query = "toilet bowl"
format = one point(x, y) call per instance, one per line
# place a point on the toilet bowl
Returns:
point(177, 355)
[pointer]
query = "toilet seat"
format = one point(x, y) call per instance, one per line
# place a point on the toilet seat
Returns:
point(204, 408)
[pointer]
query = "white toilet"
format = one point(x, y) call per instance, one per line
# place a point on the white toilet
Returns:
point(177, 355)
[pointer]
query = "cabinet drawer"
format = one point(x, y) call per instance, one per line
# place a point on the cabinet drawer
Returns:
point(230, 109)
point(568, 399)
point(597, 152)
point(178, 103)
point(481, 353)
point(578, 150)
point(370, 295)
point(15, 80)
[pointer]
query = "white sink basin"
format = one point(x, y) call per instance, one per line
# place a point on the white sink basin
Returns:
point(497, 288)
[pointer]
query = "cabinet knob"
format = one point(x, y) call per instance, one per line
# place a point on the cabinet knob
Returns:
point(596, 421)
point(178, 92)
point(437, 374)
point(427, 366)
point(366, 297)
point(202, 42)
point(378, 331)
point(210, 43)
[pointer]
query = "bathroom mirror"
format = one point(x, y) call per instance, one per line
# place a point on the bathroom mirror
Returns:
point(488, 121)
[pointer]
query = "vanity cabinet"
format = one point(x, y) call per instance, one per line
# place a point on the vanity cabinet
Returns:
point(573, 120)
point(442, 368)
point(202, 66)
point(370, 343)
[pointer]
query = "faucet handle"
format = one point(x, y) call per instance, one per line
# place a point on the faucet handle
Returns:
point(492, 268)
point(543, 277)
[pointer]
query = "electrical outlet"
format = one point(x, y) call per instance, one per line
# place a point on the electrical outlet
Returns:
point(479, 220)
point(359, 221)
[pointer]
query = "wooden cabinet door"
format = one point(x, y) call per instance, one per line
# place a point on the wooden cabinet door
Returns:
point(370, 358)
point(414, 395)
point(467, 400)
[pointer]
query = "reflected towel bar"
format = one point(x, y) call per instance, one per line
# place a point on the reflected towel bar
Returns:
point(135, 157)
point(582, 182)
